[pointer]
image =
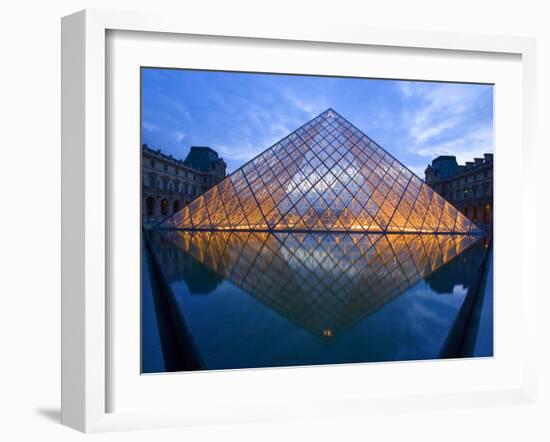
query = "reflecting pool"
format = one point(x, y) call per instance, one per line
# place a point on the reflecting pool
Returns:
point(222, 300)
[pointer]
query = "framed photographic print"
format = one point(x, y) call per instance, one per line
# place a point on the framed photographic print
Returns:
point(291, 222)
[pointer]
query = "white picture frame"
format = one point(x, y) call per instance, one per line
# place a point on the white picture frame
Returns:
point(86, 352)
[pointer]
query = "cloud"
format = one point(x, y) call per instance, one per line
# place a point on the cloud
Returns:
point(311, 106)
point(472, 144)
point(179, 136)
point(240, 152)
point(406, 88)
point(437, 108)
point(422, 134)
point(253, 128)
point(446, 119)
point(150, 126)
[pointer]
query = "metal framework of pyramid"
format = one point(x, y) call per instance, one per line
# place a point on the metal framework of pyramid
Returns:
point(325, 176)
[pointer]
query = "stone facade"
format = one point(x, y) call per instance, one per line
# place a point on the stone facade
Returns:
point(468, 187)
point(167, 183)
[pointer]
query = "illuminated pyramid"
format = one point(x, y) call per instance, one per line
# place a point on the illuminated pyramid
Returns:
point(325, 176)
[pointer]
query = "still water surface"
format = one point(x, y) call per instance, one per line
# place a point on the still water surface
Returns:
point(256, 299)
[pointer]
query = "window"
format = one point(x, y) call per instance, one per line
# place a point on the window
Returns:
point(176, 206)
point(152, 162)
point(164, 207)
point(150, 206)
point(486, 210)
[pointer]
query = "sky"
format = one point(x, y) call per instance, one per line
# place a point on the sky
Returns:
point(242, 114)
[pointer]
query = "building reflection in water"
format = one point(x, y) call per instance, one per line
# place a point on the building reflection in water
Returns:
point(322, 282)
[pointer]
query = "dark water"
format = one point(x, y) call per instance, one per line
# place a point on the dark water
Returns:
point(221, 300)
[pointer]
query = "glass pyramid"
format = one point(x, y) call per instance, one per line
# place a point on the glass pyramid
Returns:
point(325, 176)
point(332, 280)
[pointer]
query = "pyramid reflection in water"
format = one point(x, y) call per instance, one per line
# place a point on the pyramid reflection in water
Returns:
point(325, 176)
point(323, 282)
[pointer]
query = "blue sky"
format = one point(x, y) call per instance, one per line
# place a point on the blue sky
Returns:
point(240, 115)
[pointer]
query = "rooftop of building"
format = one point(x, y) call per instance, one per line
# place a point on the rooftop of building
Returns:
point(201, 151)
point(446, 166)
point(202, 157)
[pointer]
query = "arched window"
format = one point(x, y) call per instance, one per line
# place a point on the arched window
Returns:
point(150, 206)
point(474, 216)
point(176, 206)
point(164, 207)
point(486, 209)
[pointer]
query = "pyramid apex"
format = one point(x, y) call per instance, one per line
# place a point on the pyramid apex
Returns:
point(329, 113)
